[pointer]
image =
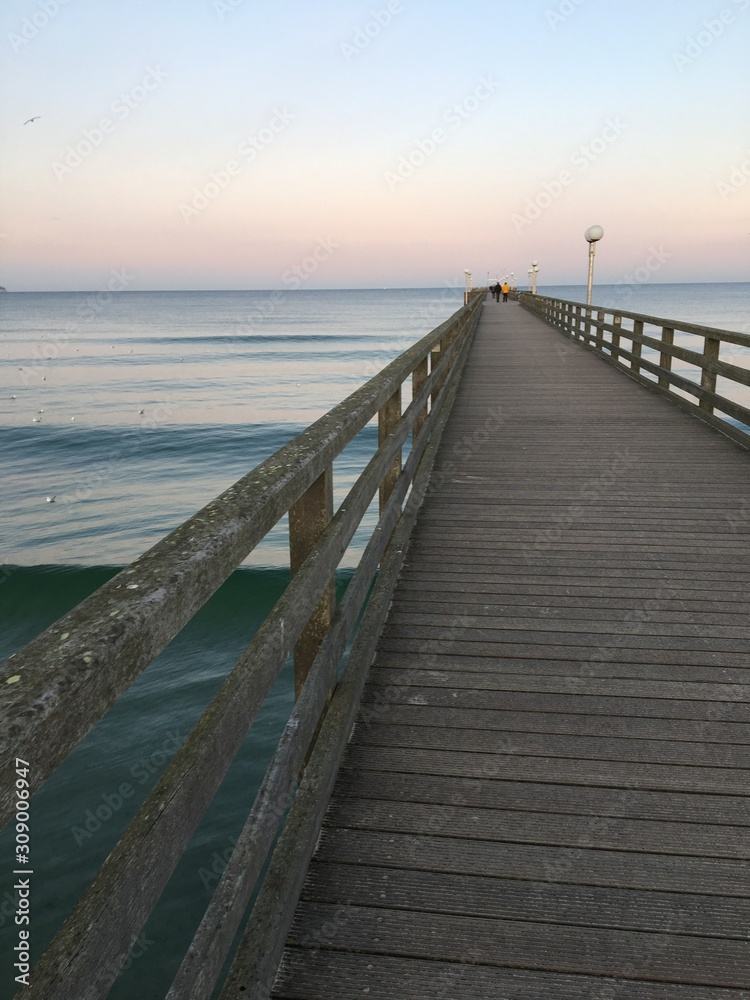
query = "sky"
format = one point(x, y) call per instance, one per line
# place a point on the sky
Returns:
point(209, 144)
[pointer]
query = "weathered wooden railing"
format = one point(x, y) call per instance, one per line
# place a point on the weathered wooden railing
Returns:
point(58, 686)
point(620, 336)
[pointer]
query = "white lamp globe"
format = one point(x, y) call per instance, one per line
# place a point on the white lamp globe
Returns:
point(593, 233)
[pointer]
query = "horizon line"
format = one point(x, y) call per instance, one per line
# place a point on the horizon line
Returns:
point(364, 288)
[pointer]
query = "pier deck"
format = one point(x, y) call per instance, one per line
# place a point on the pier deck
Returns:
point(545, 795)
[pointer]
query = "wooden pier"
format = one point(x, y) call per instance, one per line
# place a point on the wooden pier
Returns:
point(546, 791)
point(545, 795)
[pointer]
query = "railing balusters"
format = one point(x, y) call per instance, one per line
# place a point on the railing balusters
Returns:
point(575, 319)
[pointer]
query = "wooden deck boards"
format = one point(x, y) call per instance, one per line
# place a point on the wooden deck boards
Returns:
point(546, 794)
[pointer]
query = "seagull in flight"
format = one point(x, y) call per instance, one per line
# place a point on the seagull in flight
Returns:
point(29, 120)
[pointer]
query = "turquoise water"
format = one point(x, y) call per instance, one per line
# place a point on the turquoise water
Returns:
point(223, 379)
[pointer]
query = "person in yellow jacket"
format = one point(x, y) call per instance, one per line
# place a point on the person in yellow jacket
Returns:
point(505, 289)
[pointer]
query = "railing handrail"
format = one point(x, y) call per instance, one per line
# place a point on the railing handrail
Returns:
point(587, 325)
point(70, 675)
point(684, 326)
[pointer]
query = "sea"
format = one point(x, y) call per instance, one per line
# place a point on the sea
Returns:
point(122, 414)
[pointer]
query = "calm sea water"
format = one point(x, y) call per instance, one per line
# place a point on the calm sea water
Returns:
point(134, 410)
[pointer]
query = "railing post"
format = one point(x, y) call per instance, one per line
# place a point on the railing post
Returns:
point(388, 417)
point(637, 345)
point(580, 325)
point(665, 358)
point(617, 323)
point(586, 327)
point(308, 519)
point(418, 379)
point(711, 347)
point(435, 355)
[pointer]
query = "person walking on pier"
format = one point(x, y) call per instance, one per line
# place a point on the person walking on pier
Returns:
point(495, 289)
point(505, 289)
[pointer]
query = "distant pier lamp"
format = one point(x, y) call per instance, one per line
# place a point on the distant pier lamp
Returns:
point(534, 272)
point(467, 275)
point(593, 234)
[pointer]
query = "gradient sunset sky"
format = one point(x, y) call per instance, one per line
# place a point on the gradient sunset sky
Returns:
point(222, 143)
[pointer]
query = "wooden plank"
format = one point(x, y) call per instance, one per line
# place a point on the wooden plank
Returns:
point(595, 608)
point(493, 793)
point(707, 840)
point(472, 895)
point(484, 581)
point(571, 865)
point(715, 651)
point(321, 974)
point(582, 747)
point(409, 691)
point(450, 716)
point(579, 683)
point(527, 666)
point(641, 624)
point(518, 767)
point(630, 954)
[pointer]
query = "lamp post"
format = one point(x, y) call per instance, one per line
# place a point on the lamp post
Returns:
point(531, 281)
point(534, 272)
point(467, 274)
point(592, 235)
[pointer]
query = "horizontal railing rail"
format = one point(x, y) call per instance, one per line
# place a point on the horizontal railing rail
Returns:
point(620, 336)
point(59, 685)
